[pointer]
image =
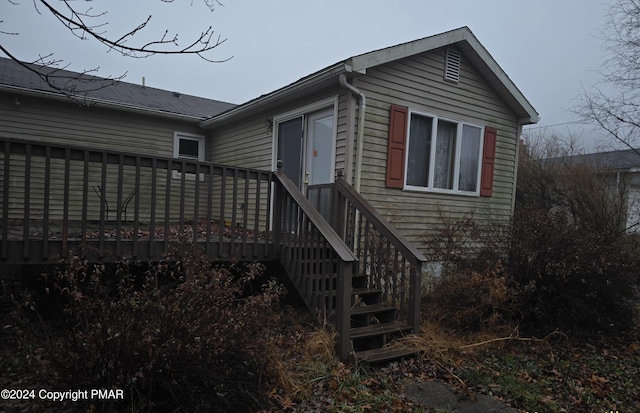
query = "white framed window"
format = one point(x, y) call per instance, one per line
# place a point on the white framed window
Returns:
point(443, 155)
point(190, 147)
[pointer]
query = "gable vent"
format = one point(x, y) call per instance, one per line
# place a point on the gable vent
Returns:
point(452, 66)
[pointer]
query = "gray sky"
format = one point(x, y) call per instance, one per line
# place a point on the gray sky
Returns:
point(549, 48)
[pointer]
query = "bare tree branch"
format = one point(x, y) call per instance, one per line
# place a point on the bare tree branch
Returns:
point(76, 86)
point(76, 23)
point(87, 24)
point(615, 105)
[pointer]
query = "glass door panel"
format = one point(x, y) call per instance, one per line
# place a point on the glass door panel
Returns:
point(319, 162)
point(290, 149)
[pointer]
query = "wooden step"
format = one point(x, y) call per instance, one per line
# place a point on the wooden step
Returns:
point(368, 296)
point(365, 315)
point(381, 355)
point(359, 296)
point(371, 309)
point(395, 327)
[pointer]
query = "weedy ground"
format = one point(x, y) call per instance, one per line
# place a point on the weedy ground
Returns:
point(556, 372)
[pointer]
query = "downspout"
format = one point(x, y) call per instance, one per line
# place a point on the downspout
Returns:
point(360, 132)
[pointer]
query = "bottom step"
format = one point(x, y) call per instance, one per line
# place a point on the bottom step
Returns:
point(379, 355)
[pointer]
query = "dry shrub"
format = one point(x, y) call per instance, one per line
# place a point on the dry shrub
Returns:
point(471, 301)
point(570, 276)
point(181, 335)
point(466, 243)
point(321, 345)
point(570, 259)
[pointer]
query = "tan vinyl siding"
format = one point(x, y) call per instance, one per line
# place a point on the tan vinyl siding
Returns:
point(246, 143)
point(249, 142)
point(341, 134)
point(94, 128)
point(417, 82)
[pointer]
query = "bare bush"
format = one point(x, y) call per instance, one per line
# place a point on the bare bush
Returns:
point(180, 335)
point(570, 259)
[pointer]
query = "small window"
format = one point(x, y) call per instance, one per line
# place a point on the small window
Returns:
point(188, 146)
point(452, 66)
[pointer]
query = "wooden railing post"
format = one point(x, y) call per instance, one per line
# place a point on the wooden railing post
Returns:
point(343, 309)
point(278, 206)
point(415, 295)
point(338, 208)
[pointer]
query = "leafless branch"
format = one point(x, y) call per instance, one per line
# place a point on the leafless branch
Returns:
point(76, 23)
point(91, 24)
point(614, 106)
point(73, 85)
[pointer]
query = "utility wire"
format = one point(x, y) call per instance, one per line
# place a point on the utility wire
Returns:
point(556, 124)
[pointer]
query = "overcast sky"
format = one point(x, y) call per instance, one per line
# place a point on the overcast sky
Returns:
point(550, 48)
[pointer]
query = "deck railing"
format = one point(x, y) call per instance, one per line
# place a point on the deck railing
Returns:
point(388, 260)
point(55, 198)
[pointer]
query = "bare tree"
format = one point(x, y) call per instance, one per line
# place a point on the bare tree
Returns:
point(615, 105)
point(86, 23)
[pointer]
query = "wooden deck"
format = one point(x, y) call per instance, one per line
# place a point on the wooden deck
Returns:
point(219, 242)
point(339, 254)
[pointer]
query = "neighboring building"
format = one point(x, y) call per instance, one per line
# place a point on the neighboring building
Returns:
point(622, 169)
point(422, 129)
point(122, 116)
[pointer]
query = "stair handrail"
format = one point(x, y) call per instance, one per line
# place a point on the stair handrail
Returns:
point(335, 241)
point(414, 257)
point(381, 224)
point(347, 258)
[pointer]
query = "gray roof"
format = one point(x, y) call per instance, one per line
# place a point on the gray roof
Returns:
point(119, 95)
point(612, 160)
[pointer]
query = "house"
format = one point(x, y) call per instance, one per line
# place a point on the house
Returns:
point(621, 168)
point(418, 129)
point(339, 176)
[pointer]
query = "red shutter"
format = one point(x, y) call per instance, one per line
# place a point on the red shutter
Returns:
point(397, 146)
point(488, 161)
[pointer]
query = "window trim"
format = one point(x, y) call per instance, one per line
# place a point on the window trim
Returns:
point(177, 136)
point(432, 155)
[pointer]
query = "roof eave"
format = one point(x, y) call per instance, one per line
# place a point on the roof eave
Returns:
point(101, 103)
point(364, 61)
point(289, 91)
point(527, 113)
point(524, 110)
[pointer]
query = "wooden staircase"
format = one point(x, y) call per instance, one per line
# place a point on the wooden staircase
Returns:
point(374, 326)
point(349, 264)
